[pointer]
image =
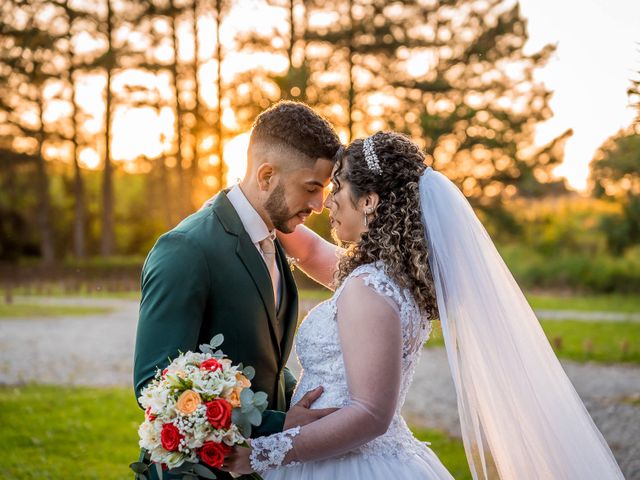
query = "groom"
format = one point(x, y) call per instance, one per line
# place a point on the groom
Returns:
point(222, 270)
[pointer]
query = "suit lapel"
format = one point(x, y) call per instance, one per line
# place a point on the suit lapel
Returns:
point(250, 257)
point(289, 302)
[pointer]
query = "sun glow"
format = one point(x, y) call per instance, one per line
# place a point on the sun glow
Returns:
point(235, 155)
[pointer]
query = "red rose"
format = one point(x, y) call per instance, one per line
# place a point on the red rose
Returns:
point(150, 416)
point(170, 437)
point(164, 372)
point(212, 453)
point(212, 365)
point(219, 413)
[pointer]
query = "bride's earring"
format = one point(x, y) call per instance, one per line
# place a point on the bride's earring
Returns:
point(366, 218)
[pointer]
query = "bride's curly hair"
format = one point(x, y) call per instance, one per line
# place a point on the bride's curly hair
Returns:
point(395, 235)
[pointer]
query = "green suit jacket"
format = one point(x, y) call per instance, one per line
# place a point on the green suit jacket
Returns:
point(206, 277)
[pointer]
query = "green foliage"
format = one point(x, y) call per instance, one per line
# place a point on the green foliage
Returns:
point(599, 272)
point(615, 175)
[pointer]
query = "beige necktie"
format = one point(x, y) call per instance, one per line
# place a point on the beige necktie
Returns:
point(269, 252)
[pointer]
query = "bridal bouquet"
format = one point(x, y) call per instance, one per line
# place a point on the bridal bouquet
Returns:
point(197, 409)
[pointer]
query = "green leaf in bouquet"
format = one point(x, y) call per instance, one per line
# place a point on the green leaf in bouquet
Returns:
point(246, 400)
point(260, 400)
point(186, 469)
point(241, 421)
point(203, 471)
point(249, 372)
point(240, 366)
point(139, 467)
point(204, 348)
point(255, 417)
point(216, 341)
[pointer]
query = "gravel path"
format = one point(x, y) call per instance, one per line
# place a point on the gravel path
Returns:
point(98, 350)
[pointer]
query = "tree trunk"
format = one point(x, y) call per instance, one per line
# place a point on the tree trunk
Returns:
point(351, 95)
point(79, 219)
point(179, 115)
point(195, 170)
point(219, 126)
point(44, 201)
point(108, 241)
point(292, 34)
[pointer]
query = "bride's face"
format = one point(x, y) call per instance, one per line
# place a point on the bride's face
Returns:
point(346, 213)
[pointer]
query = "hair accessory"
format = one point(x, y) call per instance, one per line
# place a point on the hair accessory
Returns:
point(370, 156)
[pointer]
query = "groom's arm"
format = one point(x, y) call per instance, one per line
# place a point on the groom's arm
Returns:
point(290, 383)
point(273, 420)
point(175, 286)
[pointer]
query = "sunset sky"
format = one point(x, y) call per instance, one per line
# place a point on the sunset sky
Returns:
point(598, 52)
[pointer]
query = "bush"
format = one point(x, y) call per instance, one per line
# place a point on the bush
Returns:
point(600, 272)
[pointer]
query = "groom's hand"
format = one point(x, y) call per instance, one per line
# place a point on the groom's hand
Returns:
point(301, 413)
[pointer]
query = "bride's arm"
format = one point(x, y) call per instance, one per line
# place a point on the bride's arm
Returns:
point(314, 255)
point(371, 340)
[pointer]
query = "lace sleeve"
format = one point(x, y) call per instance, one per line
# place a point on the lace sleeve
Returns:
point(371, 342)
point(270, 451)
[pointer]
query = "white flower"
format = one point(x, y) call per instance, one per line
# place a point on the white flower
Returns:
point(233, 436)
point(149, 438)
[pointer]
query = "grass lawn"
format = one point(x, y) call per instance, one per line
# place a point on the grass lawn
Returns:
point(71, 433)
point(547, 301)
point(89, 433)
point(599, 303)
point(449, 450)
point(21, 310)
point(583, 341)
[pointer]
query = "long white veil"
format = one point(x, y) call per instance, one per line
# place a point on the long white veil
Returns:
point(521, 417)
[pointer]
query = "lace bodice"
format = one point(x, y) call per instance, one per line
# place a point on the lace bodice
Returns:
point(319, 350)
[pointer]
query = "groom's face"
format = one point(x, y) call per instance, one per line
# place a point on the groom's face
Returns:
point(297, 193)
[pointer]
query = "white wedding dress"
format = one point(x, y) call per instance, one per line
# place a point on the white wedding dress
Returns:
point(367, 438)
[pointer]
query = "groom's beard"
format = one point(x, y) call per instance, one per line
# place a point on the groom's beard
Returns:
point(276, 207)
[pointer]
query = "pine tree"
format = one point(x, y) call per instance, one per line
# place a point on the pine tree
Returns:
point(27, 61)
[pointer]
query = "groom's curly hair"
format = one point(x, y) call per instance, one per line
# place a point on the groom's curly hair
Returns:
point(294, 125)
point(396, 235)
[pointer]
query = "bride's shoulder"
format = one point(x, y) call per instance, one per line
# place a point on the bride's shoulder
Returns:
point(373, 277)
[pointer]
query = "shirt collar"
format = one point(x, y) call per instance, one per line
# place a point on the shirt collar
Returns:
point(251, 220)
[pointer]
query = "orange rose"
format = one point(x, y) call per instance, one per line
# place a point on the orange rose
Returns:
point(188, 402)
point(244, 381)
point(234, 397)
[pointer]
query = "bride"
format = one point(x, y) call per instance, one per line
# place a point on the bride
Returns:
point(418, 253)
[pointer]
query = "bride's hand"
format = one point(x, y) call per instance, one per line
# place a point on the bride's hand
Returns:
point(238, 461)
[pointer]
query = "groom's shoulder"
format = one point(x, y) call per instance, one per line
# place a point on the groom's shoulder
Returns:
point(204, 229)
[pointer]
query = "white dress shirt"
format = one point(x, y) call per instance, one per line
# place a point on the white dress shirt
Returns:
point(253, 224)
